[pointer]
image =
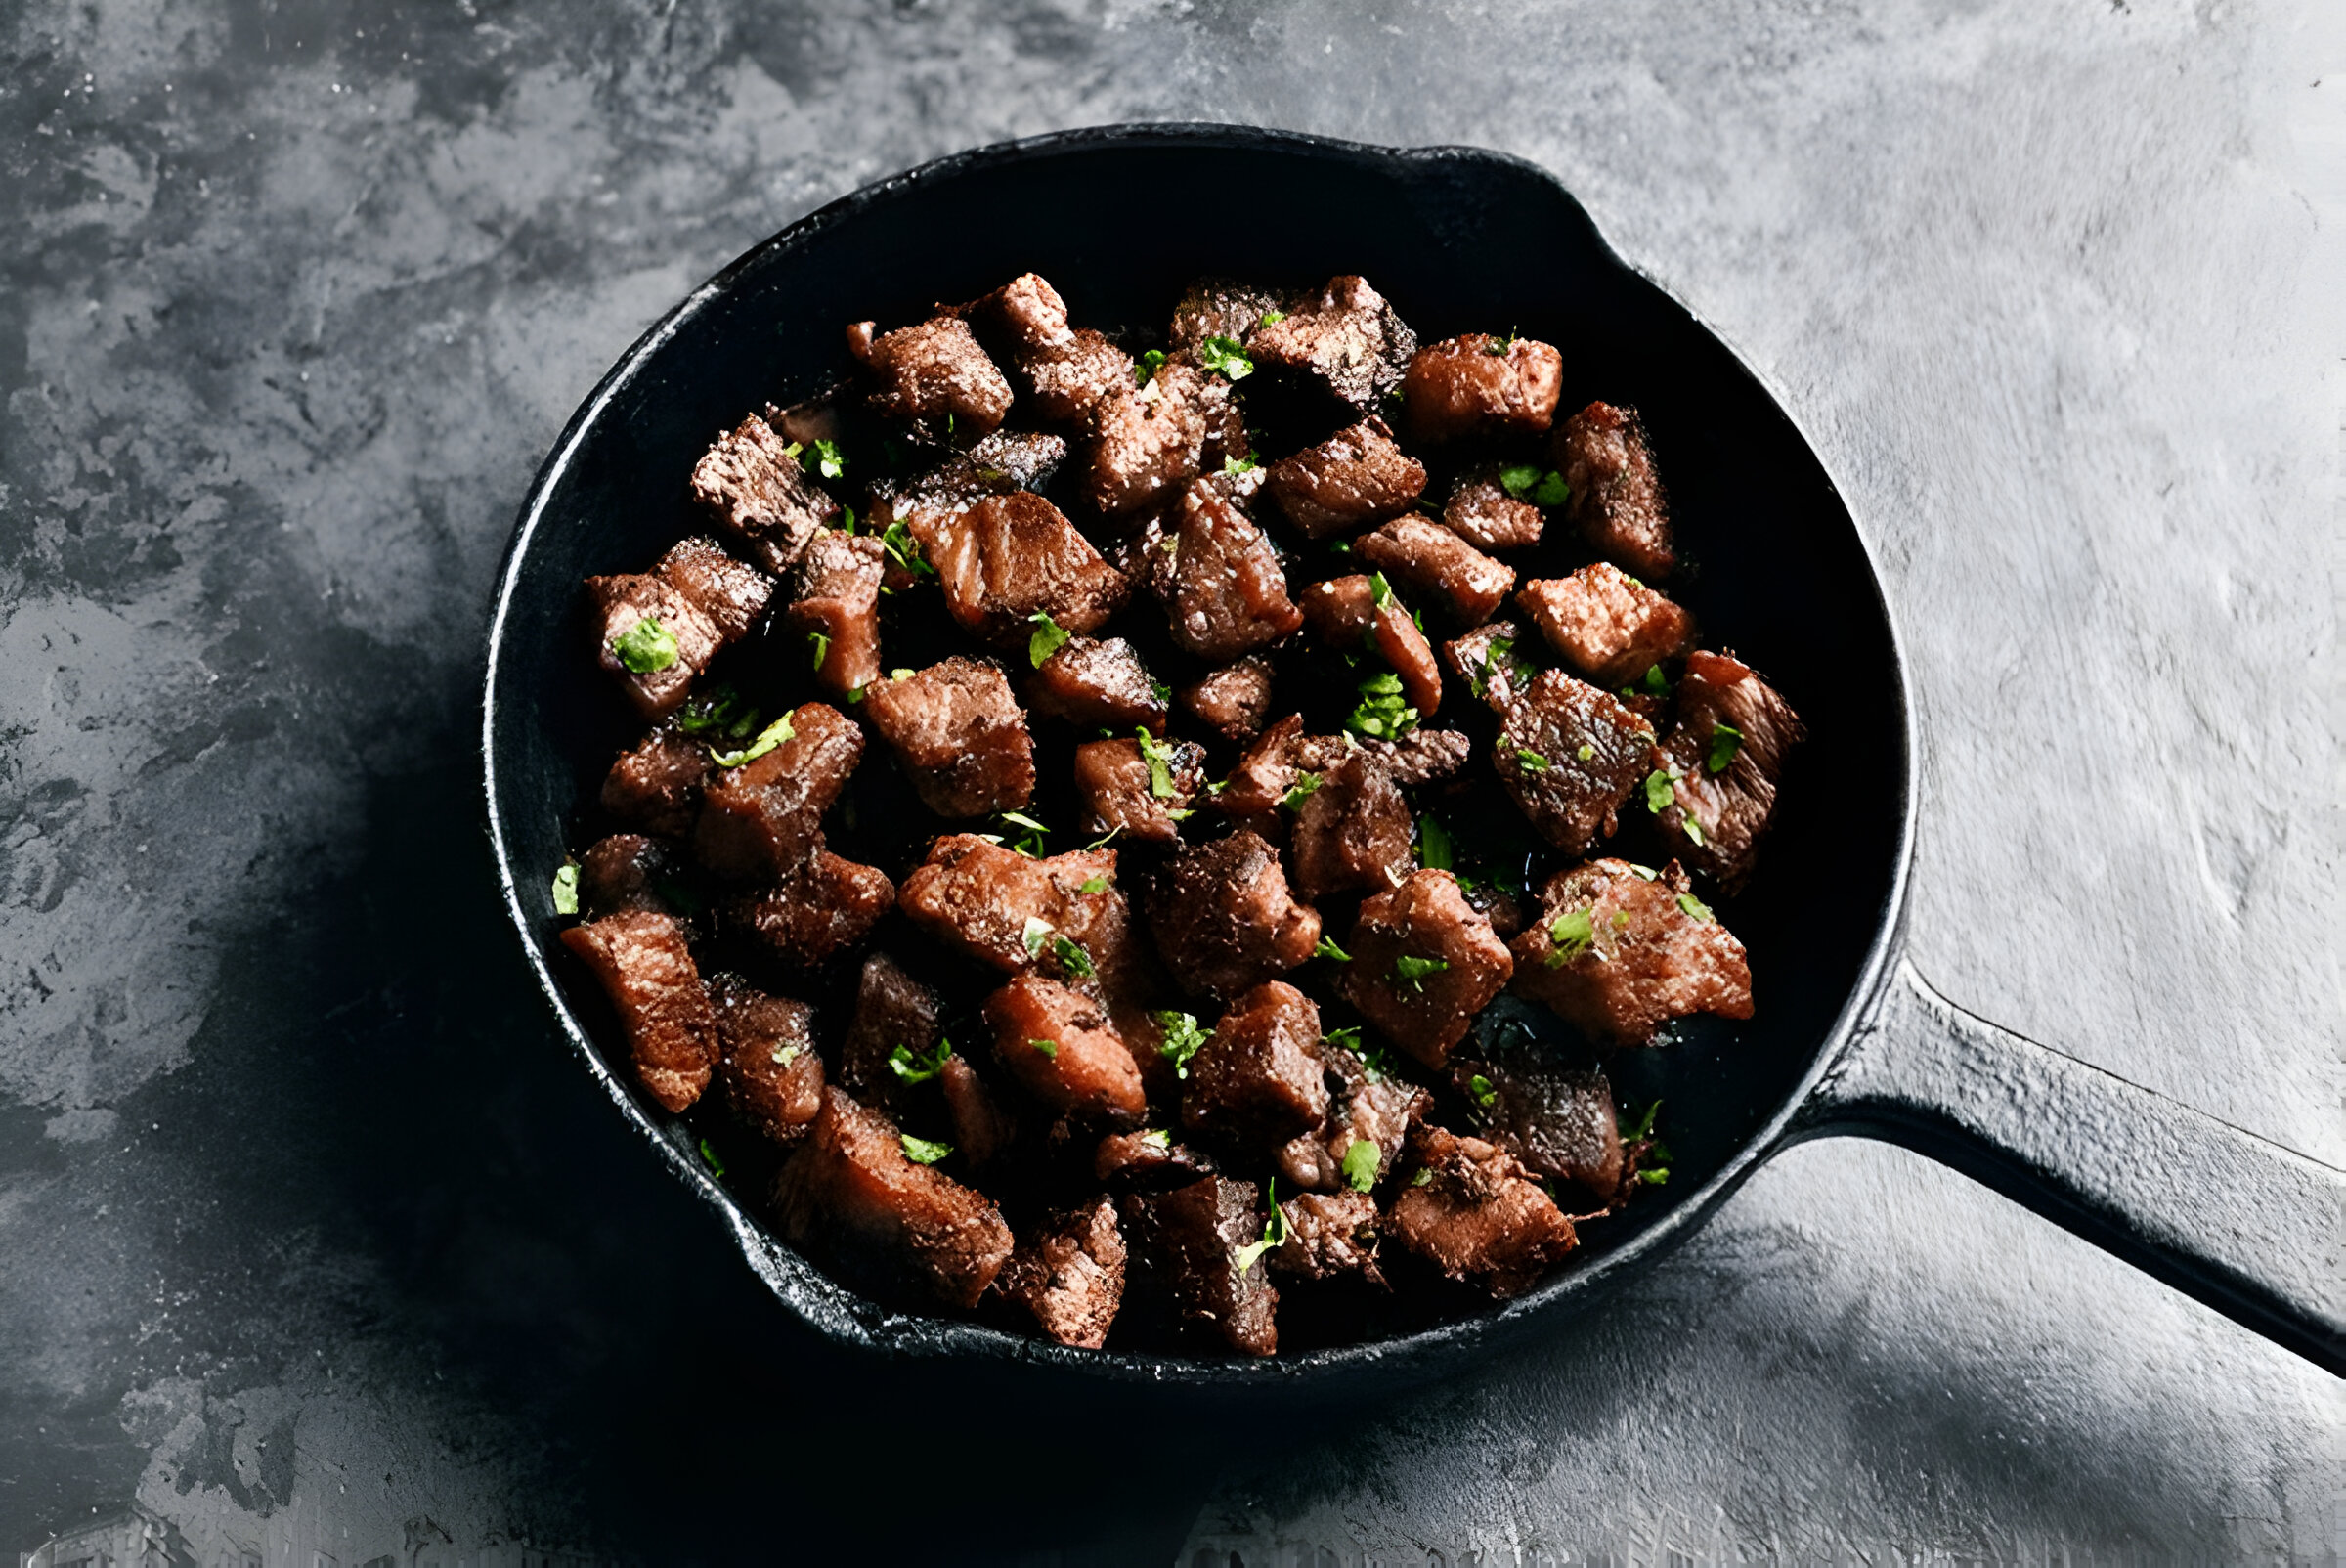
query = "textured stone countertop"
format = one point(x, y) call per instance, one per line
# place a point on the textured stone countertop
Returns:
point(315, 1241)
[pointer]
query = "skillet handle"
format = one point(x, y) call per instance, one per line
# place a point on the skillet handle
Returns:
point(2244, 1226)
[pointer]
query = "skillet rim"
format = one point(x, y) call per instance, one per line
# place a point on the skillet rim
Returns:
point(850, 1320)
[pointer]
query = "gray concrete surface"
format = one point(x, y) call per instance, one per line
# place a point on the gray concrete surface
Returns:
point(313, 1243)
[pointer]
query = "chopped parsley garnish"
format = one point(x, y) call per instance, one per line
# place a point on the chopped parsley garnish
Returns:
point(914, 1068)
point(1240, 465)
point(1030, 840)
point(785, 1055)
point(827, 460)
point(1572, 933)
point(1654, 1177)
point(821, 645)
point(1725, 741)
point(645, 647)
point(1497, 659)
point(1159, 1139)
point(1328, 949)
point(1225, 357)
point(771, 736)
point(1483, 1090)
point(1360, 1164)
point(1435, 850)
point(1305, 784)
point(1551, 491)
point(1382, 714)
point(1182, 1039)
point(1655, 1148)
point(566, 889)
point(1661, 788)
point(1160, 692)
point(1585, 752)
point(923, 1150)
point(1621, 918)
point(1654, 684)
point(902, 675)
point(1691, 828)
point(1093, 884)
point(1380, 591)
point(1641, 873)
point(846, 521)
point(1532, 761)
point(719, 711)
point(1694, 906)
point(1048, 638)
point(1144, 369)
point(1424, 1176)
point(1272, 318)
point(1037, 936)
point(1414, 969)
point(1519, 479)
point(1497, 347)
point(1159, 759)
point(717, 1166)
point(1071, 957)
point(905, 551)
point(1275, 1233)
point(1049, 1048)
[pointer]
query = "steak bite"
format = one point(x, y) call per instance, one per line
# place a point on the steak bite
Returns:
point(1488, 660)
point(1482, 386)
point(987, 901)
point(1353, 478)
point(772, 1075)
point(1349, 614)
point(1569, 755)
point(1059, 1046)
point(852, 1198)
point(1256, 1082)
point(762, 819)
point(1148, 1161)
point(1617, 500)
point(1069, 1274)
point(752, 482)
point(1420, 757)
point(1620, 951)
point(1558, 1123)
point(1007, 558)
point(1726, 758)
point(959, 735)
point(1608, 626)
point(657, 785)
point(1372, 1106)
point(1352, 832)
point(646, 970)
point(1329, 1235)
point(1066, 370)
point(1424, 964)
point(1478, 1217)
point(1141, 789)
point(624, 871)
point(730, 594)
point(892, 1012)
point(1233, 700)
point(1264, 774)
point(817, 910)
point(982, 1128)
point(934, 378)
point(1186, 1245)
point(1480, 512)
point(1345, 337)
point(1149, 441)
point(1228, 596)
point(1223, 917)
point(1436, 564)
point(1097, 683)
point(836, 609)
point(652, 639)
point(1222, 307)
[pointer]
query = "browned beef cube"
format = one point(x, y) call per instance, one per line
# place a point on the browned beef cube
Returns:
point(1434, 563)
point(1482, 386)
point(1009, 558)
point(764, 818)
point(1329, 1235)
point(1223, 917)
point(1348, 481)
point(1222, 307)
point(1728, 754)
point(730, 594)
point(1003, 463)
point(1256, 1082)
point(623, 607)
point(1478, 1217)
point(657, 786)
point(1493, 661)
point(1185, 1245)
point(988, 901)
point(1233, 700)
point(960, 736)
point(1558, 1121)
point(851, 1198)
point(1352, 613)
point(1135, 789)
point(892, 1010)
point(1617, 500)
point(1352, 833)
point(982, 1128)
point(934, 377)
point(1424, 963)
point(624, 871)
point(648, 972)
point(818, 910)
point(1229, 595)
point(1260, 782)
point(1066, 370)
point(1370, 1106)
point(1060, 1047)
point(773, 1073)
point(1097, 683)
point(751, 479)
point(1069, 1274)
point(1480, 512)
point(1149, 442)
point(1420, 757)
point(837, 610)
point(1149, 1161)
point(1569, 754)
point(1620, 950)
point(1607, 625)
point(1345, 336)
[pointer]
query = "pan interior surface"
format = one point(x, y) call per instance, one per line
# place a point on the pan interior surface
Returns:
point(1458, 240)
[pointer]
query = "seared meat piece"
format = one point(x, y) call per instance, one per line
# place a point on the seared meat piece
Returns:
point(1569, 754)
point(1224, 919)
point(1256, 1082)
point(1420, 757)
point(837, 610)
point(1493, 661)
point(1352, 613)
point(1148, 441)
point(892, 1010)
point(1369, 1106)
point(1345, 336)
point(1480, 512)
point(960, 736)
point(648, 972)
point(1620, 951)
point(934, 377)
point(1263, 776)
point(624, 871)
point(1066, 370)
point(1136, 787)
point(1185, 1245)
point(1558, 1121)
point(773, 1077)
point(819, 909)
point(1003, 463)
point(1607, 625)
point(1350, 479)
point(982, 1128)
point(1060, 1047)
point(1229, 595)
point(646, 619)
point(1329, 1235)
point(1478, 1218)
point(1482, 386)
point(1098, 685)
point(1725, 757)
point(1424, 963)
point(1011, 557)
point(730, 594)
point(1070, 1274)
point(1233, 700)
point(1352, 833)
point(852, 1199)
point(764, 818)
point(1147, 1160)
point(1221, 307)
point(1617, 500)
point(751, 479)
point(1435, 563)
point(657, 786)
point(987, 901)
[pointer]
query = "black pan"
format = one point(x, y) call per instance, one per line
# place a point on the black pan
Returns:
point(1847, 1038)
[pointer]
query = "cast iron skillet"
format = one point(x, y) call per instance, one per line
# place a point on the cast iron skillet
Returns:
point(1847, 1038)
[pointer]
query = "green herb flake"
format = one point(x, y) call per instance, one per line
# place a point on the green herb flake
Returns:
point(1159, 1139)
point(1661, 788)
point(717, 1166)
point(821, 645)
point(902, 675)
point(566, 889)
point(1654, 684)
point(1435, 850)
point(1360, 1164)
point(1272, 318)
point(1144, 369)
point(771, 736)
point(1048, 638)
point(1037, 936)
point(785, 1055)
point(923, 1150)
point(1328, 949)
point(1382, 714)
point(1305, 784)
point(1483, 1090)
point(1551, 491)
point(1182, 1039)
point(1093, 884)
point(1498, 347)
point(645, 647)
point(1380, 591)
point(827, 460)
point(1691, 828)
point(1160, 692)
point(905, 551)
point(1240, 465)
point(1532, 761)
point(1572, 933)
point(1071, 957)
point(1586, 752)
point(719, 711)
point(846, 521)
point(1275, 1234)
point(1159, 759)
point(1414, 969)
point(1694, 906)
point(1225, 357)
point(913, 1067)
point(1621, 918)
point(1654, 1177)
point(1424, 1176)
point(1641, 873)
point(1048, 1048)
point(1519, 479)
point(1725, 741)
